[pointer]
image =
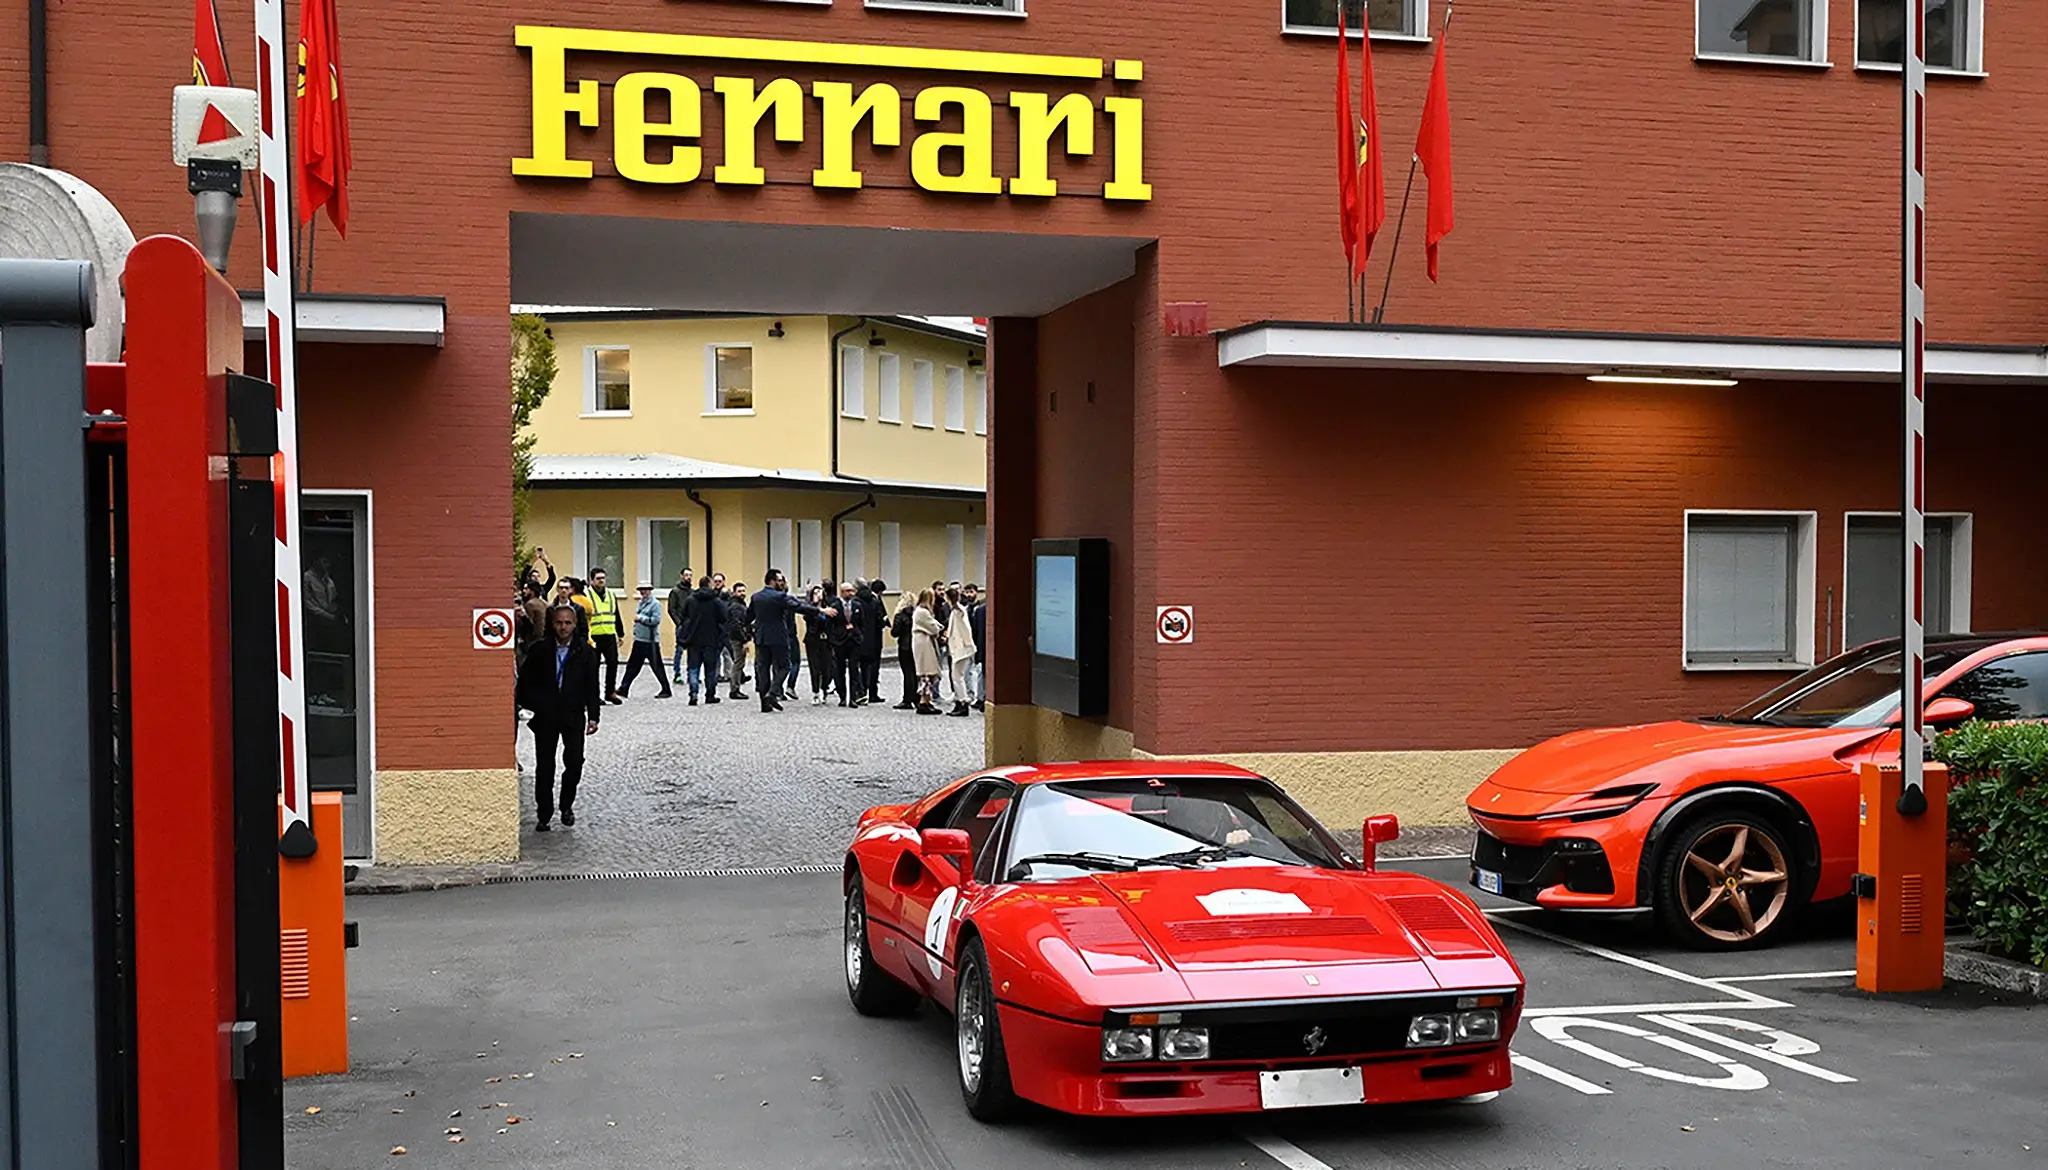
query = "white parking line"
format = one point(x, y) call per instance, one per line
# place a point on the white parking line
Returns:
point(1632, 1009)
point(1850, 974)
point(1285, 1152)
point(1776, 1052)
point(1559, 1075)
point(1644, 965)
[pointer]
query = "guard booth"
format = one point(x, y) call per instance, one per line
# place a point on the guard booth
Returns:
point(141, 785)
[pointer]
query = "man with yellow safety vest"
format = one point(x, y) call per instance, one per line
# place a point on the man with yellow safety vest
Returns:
point(604, 631)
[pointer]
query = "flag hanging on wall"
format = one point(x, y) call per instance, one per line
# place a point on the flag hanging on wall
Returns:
point(323, 154)
point(1371, 181)
point(1347, 150)
point(1433, 147)
point(209, 52)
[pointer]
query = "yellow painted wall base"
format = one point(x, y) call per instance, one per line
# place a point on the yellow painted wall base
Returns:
point(1021, 734)
point(447, 818)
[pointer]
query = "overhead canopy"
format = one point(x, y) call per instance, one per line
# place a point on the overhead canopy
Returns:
point(357, 320)
point(658, 470)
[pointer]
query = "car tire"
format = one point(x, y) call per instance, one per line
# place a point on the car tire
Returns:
point(985, 1080)
point(1729, 881)
point(874, 992)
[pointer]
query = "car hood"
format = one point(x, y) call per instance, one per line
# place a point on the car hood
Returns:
point(1586, 761)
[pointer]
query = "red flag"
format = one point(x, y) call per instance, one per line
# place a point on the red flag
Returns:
point(1371, 181)
point(1433, 147)
point(323, 156)
point(209, 54)
point(1347, 150)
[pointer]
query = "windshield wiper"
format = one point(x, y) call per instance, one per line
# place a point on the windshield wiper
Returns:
point(1204, 853)
point(1107, 861)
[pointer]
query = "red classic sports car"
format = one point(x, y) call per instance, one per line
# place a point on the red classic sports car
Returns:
point(1146, 938)
point(1728, 824)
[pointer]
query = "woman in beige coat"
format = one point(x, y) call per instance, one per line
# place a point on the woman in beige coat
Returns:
point(959, 648)
point(925, 632)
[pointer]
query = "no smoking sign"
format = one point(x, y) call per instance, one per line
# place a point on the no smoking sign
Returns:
point(1176, 624)
point(491, 629)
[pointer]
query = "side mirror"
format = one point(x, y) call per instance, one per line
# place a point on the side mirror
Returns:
point(1949, 709)
point(952, 844)
point(1378, 831)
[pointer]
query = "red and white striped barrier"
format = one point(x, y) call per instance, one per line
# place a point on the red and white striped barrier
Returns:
point(1913, 341)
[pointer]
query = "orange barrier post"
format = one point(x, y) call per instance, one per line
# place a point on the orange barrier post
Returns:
point(1902, 891)
point(312, 949)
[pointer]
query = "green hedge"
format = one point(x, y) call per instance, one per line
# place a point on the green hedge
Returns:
point(1998, 833)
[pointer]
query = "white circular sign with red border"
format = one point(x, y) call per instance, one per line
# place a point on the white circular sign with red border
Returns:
point(491, 629)
point(1176, 624)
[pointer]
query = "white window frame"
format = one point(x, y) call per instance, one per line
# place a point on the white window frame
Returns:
point(781, 549)
point(888, 389)
point(810, 553)
point(921, 375)
point(711, 407)
point(1417, 31)
point(956, 553)
point(891, 553)
point(977, 548)
point(1973, 48)
point(853, 549)
point(590, 404)
point(1805, 569)
point(956, 399)
point(579, 532)
point(1820, 44)
point(1011, 8)
point(979, 381)
point(853, 381)
point(1961, 555)
point(645, 559)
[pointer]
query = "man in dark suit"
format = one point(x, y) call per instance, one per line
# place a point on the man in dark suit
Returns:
point(774, 636)
point(977, 624)
point(870, 619)
point(558, 683)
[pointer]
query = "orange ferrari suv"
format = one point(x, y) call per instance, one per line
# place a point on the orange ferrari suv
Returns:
point(1727, 825)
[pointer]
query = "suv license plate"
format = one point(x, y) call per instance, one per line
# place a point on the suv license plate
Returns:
point(1310, 1087)
point(1487, 880)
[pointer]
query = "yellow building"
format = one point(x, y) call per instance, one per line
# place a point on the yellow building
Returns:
point(836, 447)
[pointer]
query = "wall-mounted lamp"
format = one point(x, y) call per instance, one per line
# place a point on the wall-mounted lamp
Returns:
point(876, 339)
point(775, 330)
point(974, 361)
point(1665, 378)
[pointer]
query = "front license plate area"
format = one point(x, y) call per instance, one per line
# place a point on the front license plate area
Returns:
point(1488, 880)
point(1304, 1088)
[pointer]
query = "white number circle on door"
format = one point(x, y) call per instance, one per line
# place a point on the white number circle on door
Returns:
point(935, 927)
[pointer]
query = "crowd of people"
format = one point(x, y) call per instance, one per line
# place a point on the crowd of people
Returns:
point(569, 635)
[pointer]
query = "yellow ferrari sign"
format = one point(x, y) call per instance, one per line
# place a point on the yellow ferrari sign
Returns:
point(959, 160)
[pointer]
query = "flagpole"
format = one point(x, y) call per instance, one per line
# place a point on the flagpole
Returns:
point(1444, 34)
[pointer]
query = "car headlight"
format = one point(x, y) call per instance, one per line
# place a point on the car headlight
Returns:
point(1432, 1031)
point(1183, 1043)
point(1483, 1024)
point(1126, 1044)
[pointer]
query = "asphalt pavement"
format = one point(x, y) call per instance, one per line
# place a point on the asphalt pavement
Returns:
point(703, 1023)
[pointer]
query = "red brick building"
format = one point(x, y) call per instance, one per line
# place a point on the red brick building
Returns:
point(1409, 548)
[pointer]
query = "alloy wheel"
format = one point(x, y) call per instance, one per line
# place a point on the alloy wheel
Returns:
point(855, 934)
point(972, 1028)
point(1734, 884)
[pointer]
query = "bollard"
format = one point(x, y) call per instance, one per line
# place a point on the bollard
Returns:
point(1902, 891)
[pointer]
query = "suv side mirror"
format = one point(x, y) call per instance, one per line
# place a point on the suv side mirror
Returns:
point(1378, 831)
point(952, 844)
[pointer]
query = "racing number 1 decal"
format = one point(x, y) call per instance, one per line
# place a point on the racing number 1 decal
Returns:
point(935, 931)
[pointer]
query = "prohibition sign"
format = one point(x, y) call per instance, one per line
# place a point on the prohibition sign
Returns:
point(491, 629)
point(1176, 624)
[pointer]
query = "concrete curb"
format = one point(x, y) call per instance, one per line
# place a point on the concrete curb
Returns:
point(1966, 962)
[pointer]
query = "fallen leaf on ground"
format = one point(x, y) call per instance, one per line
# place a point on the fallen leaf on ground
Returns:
point(1686, 1128)
point(412, 1092)
point(501, 1131)
point(457, 1113)
point(487, 1080)
point(452, 1129)
point(575, 1056)
point(481, 1055)
point(614, 1123)
point(312, 1109)
point(397, 1150)
point(556, 1060)
point(501, 1105)
point(817, 1078)
point(456, 1138)
point(515, 1119)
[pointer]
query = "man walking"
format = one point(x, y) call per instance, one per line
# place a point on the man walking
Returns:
point(676, 597)
point(646, 642)
point(700, 632)
point(739, 630)
point(604, 630)
point(773, 613)
point(558, 683)
point(844, 634)
point(870, 620)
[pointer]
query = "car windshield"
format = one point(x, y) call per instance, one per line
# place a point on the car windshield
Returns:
point(1857, 689)
point(1127, 823)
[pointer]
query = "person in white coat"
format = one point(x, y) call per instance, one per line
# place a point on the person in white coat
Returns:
point(959, 649)
point(925, 632)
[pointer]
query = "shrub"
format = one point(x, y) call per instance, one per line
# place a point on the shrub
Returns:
point(1998, 833)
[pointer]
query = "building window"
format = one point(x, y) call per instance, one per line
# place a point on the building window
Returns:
point(889, 388)
point(977, 555)
point(664, 551)
point(990, 7)
point(1954, 40)
point(1748, 590)
point(853, 549)
point(921, 402)
point(979, 383)
point(1763, 30)
point(853, 390)
point(1390, 18)
point(782, 550)
point(956, 552)
point(810, 551)
point(956, 399)
point(607, 379)
point(892, 553)
point(728, 378)
point(1873, 579)
point(600, 544)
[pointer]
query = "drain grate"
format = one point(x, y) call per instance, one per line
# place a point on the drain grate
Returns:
point(742, 871)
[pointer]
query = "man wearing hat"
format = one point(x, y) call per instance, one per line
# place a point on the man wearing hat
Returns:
point(646, 643)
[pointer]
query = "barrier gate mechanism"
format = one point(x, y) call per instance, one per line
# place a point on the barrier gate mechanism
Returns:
point(141, 788)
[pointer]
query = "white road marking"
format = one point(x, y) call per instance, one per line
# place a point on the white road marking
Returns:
point(1780, 1051)
point(1849, 974)
point(1559, 1075)
point(1633, 1009)
point(1285, 1152)
point(1646, 965)
point(1734, 1074)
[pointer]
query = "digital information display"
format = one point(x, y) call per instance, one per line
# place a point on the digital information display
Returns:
point(1054, 629)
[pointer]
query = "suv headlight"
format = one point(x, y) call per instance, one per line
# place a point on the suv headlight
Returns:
point(1432, 1031)
point(1126, 1044)
point(1183, 1043)
point(1483, 1024)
